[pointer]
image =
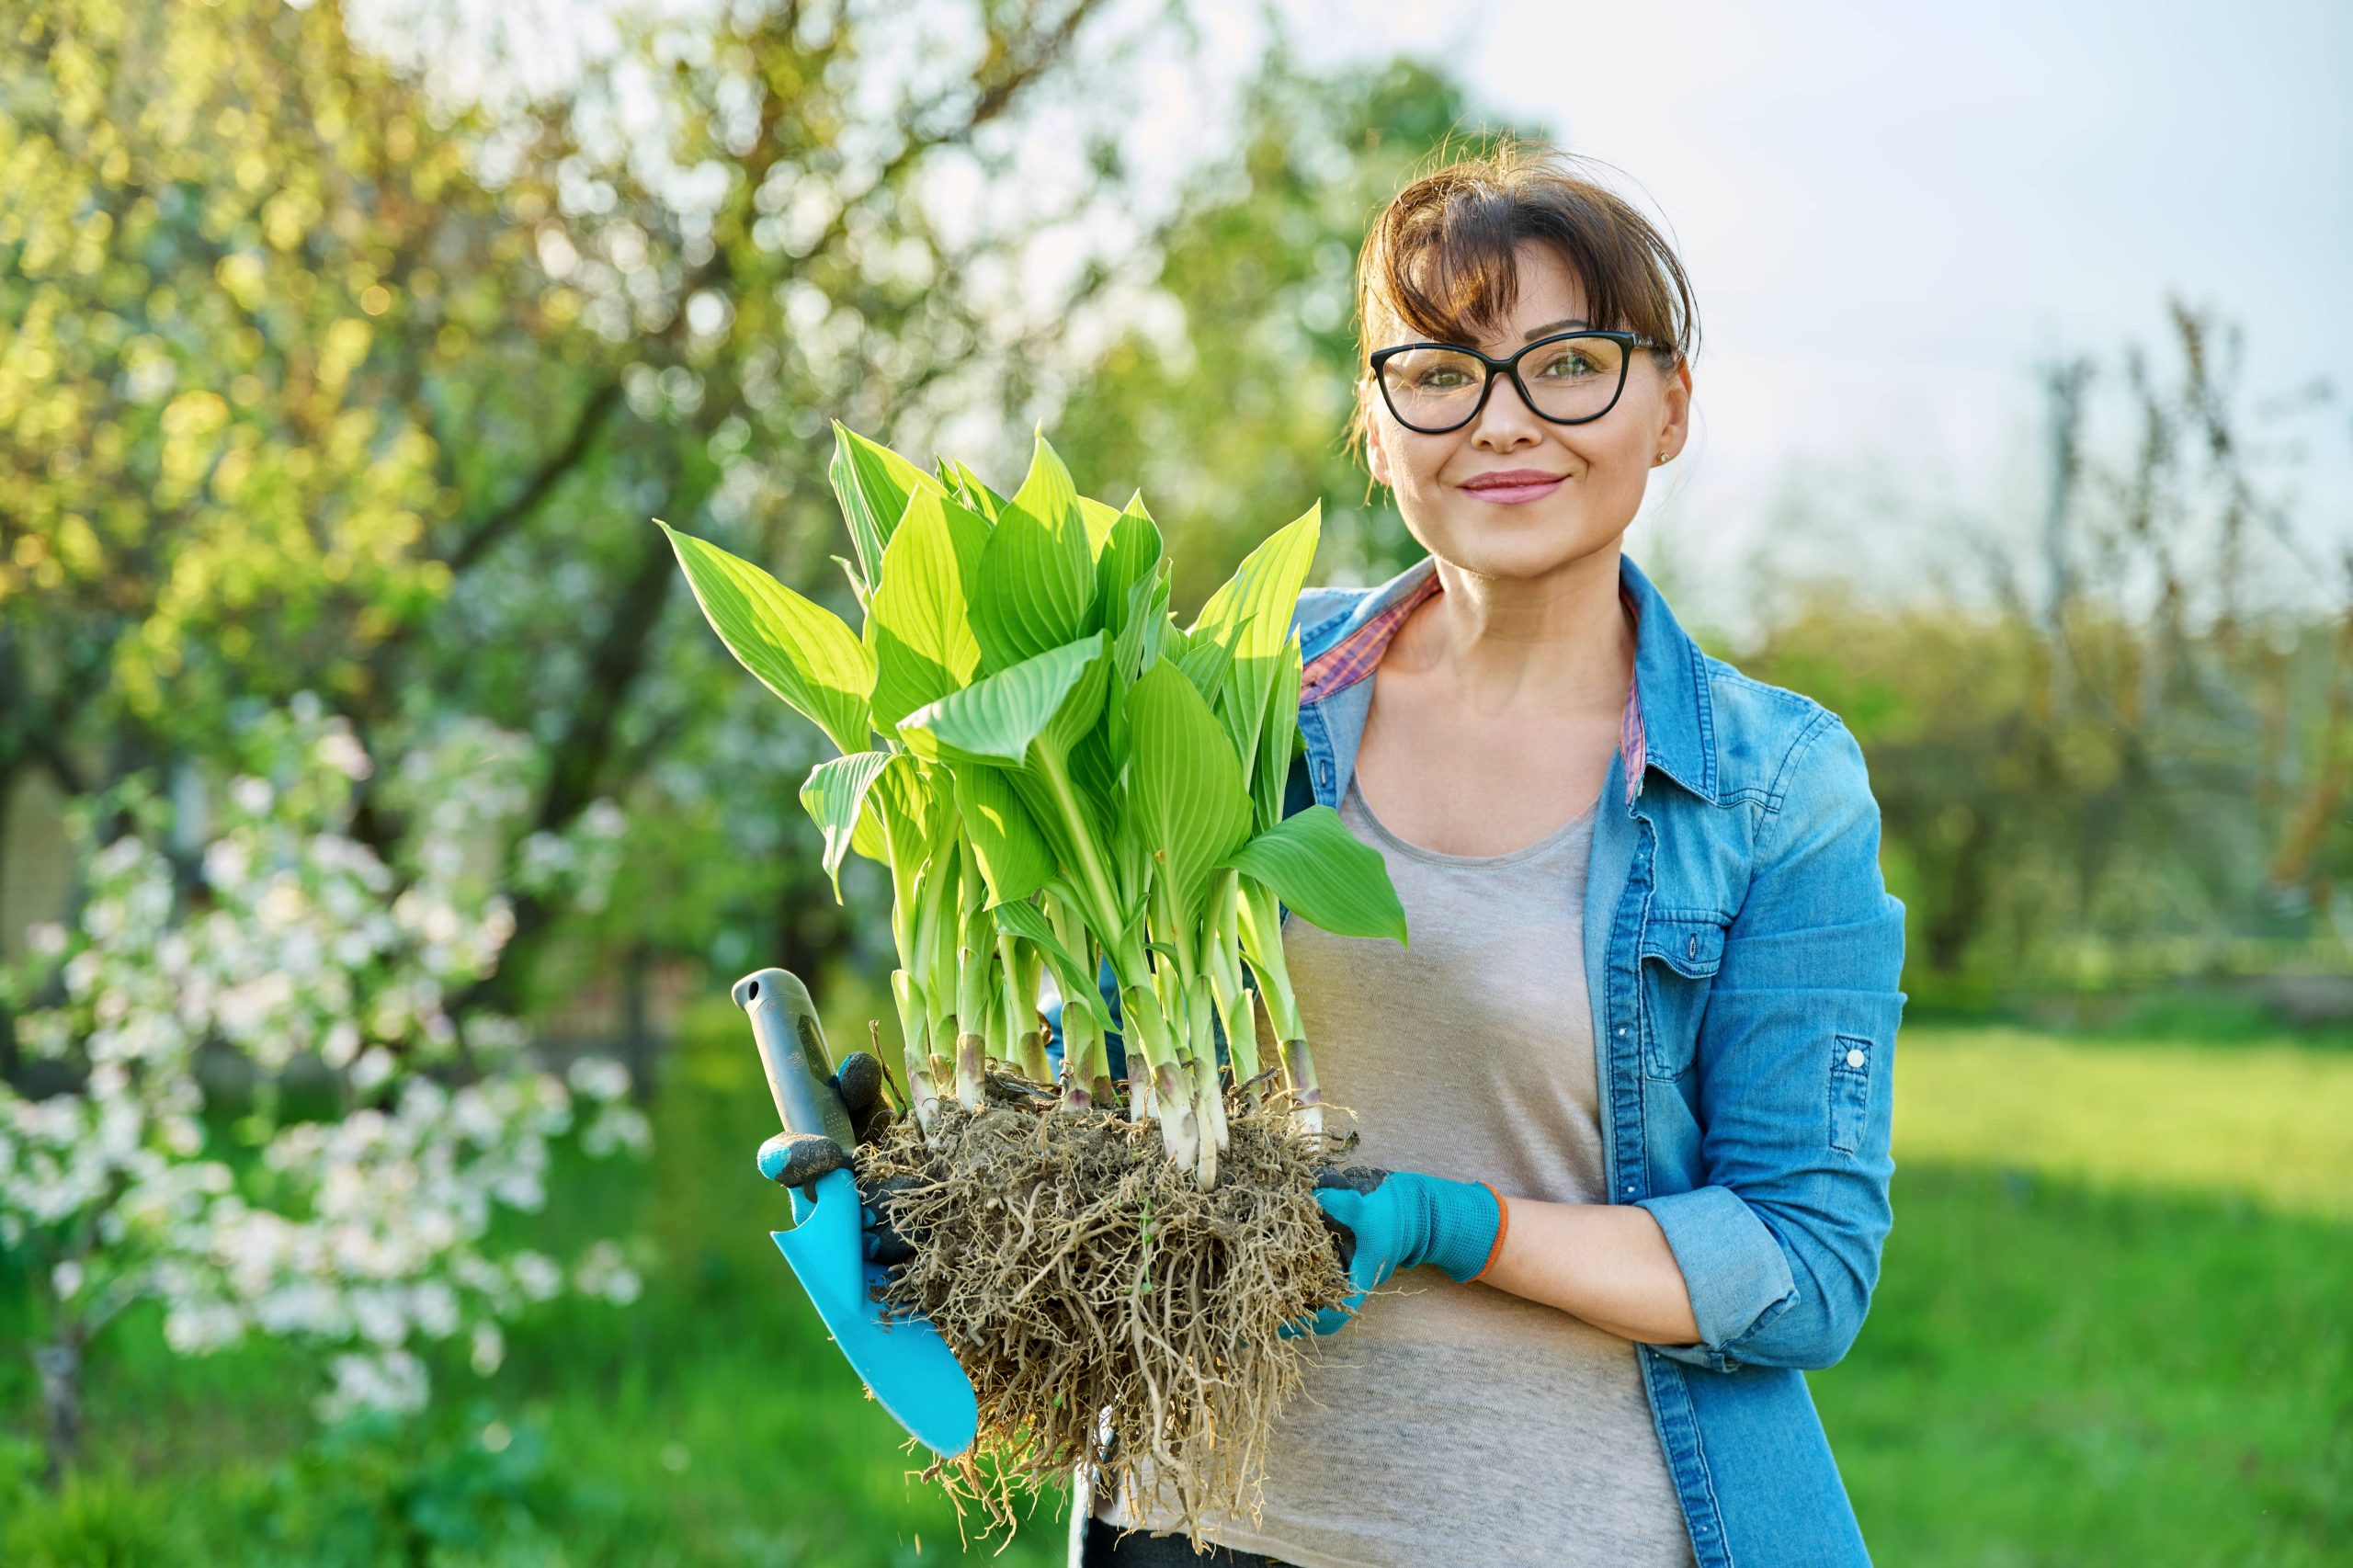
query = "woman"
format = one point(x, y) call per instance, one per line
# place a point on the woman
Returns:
point(1627, 1093)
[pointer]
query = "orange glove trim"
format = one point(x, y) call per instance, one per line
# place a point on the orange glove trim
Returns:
point(1503, 1229)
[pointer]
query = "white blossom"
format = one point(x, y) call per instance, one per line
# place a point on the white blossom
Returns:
point(376, 1228)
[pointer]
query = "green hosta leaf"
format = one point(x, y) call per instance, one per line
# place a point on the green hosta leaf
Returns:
point(857, 584)
point(873, 482)
point(899, 803)
point(1316, 865)
point(1186, 804)
point(1140, 641)
point(920, 627)
point(1100, 517)
point(866, 837)
point(1207, 659)
point(834, 796)
point(971, 491)
point(1130, 554)
point(801, 651)
point(1014, 860)
point(1038, 574)
point(1270, 775)
point(1252, 613)
point(996, 718)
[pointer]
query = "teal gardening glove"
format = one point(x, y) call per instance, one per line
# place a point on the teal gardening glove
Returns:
point(1384, 1220)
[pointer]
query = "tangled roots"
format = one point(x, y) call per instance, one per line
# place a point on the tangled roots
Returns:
point(1086, 1282)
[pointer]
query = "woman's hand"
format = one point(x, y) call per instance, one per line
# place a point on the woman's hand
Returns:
point(797, 1159)
point(1384, 1220)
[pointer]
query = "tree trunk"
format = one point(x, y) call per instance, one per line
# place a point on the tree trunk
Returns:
point(60, 1366)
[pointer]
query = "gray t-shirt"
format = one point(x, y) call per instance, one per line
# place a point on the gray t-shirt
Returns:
point(1458, 1424)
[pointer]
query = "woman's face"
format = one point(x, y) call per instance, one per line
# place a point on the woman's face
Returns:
point(1589, 477)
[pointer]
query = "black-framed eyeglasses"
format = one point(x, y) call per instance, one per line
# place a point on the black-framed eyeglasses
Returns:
point(1570, 377)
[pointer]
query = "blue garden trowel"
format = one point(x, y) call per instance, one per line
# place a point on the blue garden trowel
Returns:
point(903, 1360)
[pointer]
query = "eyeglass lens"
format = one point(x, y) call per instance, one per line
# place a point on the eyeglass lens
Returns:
point(1575, 377)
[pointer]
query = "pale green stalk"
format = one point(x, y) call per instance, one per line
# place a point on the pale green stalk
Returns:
point(974, 949)
point(1262, 940)
point(915, 1030)
point(1225, 957)
point(1025, 1042)
point(1191, 1078)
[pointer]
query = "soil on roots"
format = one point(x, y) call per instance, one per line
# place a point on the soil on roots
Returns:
point(1084, 1280)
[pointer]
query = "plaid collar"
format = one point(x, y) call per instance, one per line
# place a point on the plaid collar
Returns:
point(1356, 655)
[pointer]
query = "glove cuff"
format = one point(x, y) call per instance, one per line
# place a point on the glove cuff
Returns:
point(1464, 1221)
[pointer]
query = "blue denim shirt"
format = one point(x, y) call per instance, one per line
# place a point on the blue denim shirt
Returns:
point(1742, 954)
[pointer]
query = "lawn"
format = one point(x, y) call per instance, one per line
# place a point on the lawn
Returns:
point(2109, 1330)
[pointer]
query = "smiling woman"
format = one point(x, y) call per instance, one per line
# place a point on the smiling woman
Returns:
point(1627, 1090)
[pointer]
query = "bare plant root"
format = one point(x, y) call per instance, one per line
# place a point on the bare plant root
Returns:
point(1080, 1276)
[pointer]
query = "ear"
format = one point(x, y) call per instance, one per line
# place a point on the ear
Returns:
point(1678, 410)
point(1376, 455)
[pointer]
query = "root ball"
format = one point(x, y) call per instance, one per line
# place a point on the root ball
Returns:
point(1083, 1278)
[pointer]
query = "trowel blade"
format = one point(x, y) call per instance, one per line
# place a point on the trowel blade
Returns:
point(903, 1360)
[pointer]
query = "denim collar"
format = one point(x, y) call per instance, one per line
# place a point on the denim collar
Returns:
point(1670, 718)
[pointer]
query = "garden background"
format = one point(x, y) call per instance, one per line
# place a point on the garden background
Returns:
point(382, 826)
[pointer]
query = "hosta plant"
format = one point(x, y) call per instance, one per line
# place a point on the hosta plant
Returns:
point(1062, 780)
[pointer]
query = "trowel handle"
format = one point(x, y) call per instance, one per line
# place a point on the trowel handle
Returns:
point(792, 1054)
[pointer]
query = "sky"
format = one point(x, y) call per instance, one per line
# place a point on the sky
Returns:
point(1891, 212)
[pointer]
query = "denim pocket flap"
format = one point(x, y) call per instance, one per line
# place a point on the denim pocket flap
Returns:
point(1692, 941)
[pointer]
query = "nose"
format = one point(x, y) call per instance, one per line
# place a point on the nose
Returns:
point(1506, 418)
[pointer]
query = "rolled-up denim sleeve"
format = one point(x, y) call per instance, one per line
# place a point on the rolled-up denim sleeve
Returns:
point(1779, 1248)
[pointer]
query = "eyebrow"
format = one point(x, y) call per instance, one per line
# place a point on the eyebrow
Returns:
point(1535, 332)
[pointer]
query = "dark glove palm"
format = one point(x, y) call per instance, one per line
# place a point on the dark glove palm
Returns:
point(797, 1159)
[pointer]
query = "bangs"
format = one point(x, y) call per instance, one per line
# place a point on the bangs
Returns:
point(1443, 257)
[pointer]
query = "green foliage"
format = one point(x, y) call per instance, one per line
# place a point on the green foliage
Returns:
point(1104, 760)
point(1316, 865)
point(801, 651)
point(453, 1486)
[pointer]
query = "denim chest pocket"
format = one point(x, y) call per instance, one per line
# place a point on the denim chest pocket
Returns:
point(1681, 951)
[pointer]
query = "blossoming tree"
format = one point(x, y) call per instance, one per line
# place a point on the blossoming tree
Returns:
point(289, 952)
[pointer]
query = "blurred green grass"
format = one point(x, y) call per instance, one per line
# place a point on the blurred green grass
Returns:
point(2109, 1329)
point(2264, 1119)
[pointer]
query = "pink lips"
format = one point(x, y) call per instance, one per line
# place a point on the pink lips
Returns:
point(1514, 485)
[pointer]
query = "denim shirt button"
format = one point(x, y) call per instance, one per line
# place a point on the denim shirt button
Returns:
point(1854, 1059)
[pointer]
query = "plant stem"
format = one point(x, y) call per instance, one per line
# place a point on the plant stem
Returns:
point(1262, 938)
point(1026, 1038)
point(1225, 975)
point(914, 1029)
point(972, 952)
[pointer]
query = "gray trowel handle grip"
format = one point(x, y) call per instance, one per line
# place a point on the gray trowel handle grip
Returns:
point(792, 1054)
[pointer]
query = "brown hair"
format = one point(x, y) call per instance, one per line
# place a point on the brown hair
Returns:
point(1439, 256)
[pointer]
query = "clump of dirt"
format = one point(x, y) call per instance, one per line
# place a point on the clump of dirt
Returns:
point(1084, 1279)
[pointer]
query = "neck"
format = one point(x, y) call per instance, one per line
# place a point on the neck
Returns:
point(1554, 643)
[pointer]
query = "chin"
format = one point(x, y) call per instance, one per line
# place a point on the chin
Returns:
point(1512, 550)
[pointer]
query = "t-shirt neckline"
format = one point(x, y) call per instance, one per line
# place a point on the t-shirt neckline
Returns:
point(1567, 830)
